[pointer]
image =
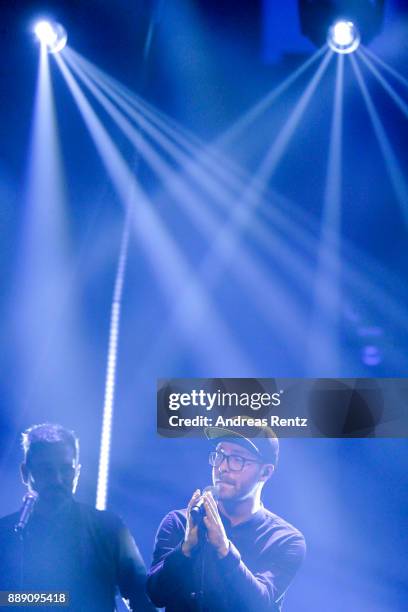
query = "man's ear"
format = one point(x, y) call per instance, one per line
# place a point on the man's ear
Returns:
point(267, 471)
point(24, 472)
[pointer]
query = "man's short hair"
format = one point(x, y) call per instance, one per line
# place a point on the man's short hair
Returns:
point(48, 433)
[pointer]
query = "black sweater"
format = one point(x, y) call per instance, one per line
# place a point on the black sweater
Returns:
point(264, 555)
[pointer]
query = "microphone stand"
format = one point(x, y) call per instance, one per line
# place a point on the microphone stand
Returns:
point(21, 540)
point(203, 555)
point(20, 530)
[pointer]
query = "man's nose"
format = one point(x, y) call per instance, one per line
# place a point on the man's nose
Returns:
point(56, 476)
point(223, 467)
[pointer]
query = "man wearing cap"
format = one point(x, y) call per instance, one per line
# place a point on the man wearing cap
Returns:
point(241, 556)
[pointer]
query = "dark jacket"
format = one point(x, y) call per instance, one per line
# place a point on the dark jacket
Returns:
point(86, 552)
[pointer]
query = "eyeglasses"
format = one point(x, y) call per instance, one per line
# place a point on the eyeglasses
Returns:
point(235, 463)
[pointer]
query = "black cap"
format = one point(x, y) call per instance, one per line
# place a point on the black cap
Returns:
point(262, 441)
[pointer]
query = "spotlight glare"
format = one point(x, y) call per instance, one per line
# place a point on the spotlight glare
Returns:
point(52, 35)
point(343, 37)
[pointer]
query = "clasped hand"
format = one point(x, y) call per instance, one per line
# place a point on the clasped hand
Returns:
point(216, 535)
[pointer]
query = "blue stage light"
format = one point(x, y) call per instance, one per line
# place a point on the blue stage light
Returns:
point(343, 37)
point(52, 35)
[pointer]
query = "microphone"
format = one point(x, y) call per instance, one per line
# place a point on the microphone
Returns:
point(27, 508)
point(197, 512)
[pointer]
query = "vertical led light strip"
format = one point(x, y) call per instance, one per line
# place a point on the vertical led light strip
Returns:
point(109, 399)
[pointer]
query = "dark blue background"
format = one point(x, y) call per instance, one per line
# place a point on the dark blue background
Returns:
point(209, 62)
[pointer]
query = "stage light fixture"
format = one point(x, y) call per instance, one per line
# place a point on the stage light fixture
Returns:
point(341, 23)
point(52, 35)
point(343, 37)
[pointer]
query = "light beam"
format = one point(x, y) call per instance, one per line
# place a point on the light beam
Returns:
point(395, 173)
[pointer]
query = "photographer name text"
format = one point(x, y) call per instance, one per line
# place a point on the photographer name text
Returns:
point(238, 421)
